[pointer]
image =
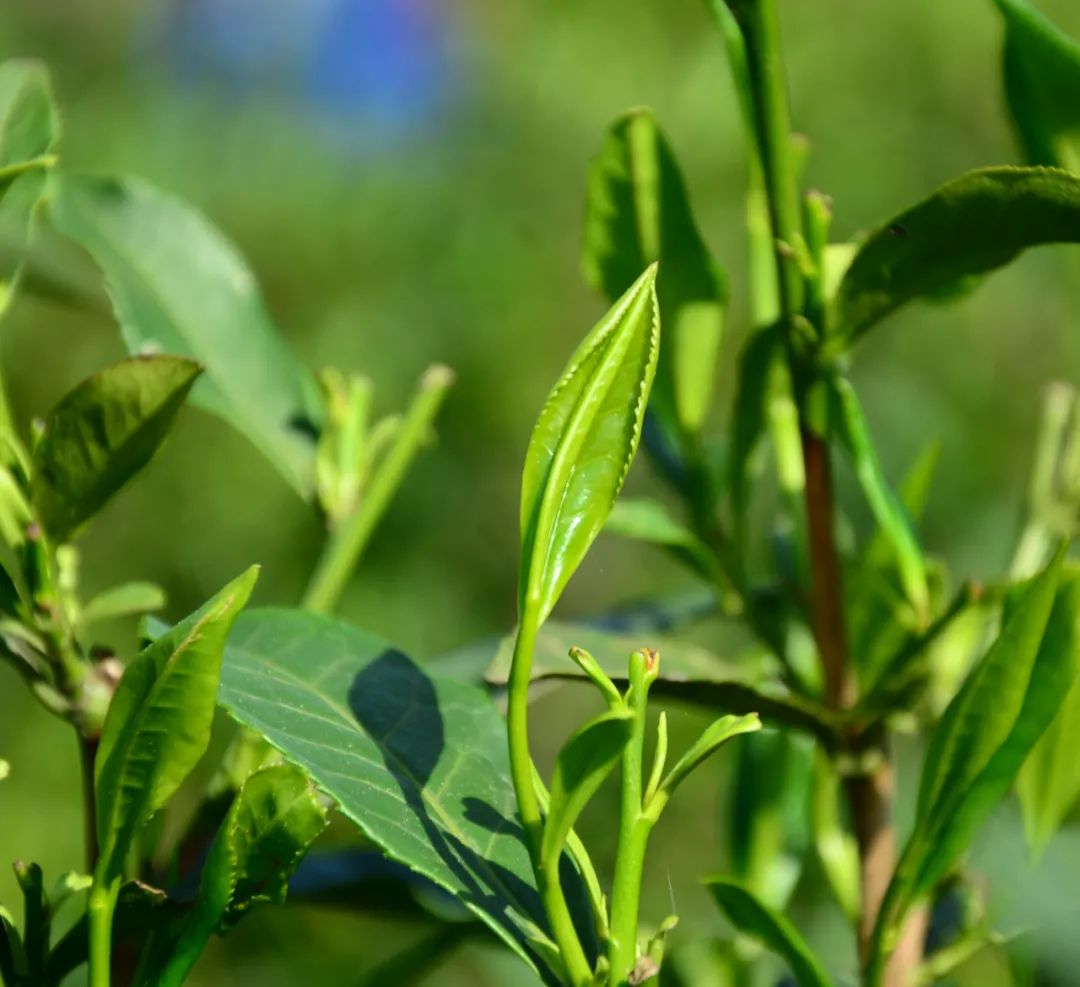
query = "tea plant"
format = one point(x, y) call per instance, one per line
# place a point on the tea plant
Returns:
point(853, 641)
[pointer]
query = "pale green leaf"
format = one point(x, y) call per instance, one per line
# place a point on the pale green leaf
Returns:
point(583, 444)
point(637, 213)
point(587, 758)
point(29, 128)
point(102, 433)
point(158, 723)
point(1042, 85)
point(650, 521)
point(179, 286)
point(972, 225)
point(769, 927)
point(419, 763)
point(713, 737)
point(124, 600)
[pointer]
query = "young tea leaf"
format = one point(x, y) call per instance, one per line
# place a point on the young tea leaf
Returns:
point(770, 928)
point(974, 224)
point(418, 762)
point(586, 759)
point(886, 506)
point(158, 723)
point(1049, 782)
point(988, 730)
point(102, 433)
point(712, 738)
point(1042, 85)
point(583, 443)
point(179, 286)
point(272, 822)
point(125, 600)
point(637, 213)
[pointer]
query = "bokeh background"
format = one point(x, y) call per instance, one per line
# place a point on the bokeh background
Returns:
point(406, 178)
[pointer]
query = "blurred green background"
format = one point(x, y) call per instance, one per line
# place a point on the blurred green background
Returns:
point(410, 194)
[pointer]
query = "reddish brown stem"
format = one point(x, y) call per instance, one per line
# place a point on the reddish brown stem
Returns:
point(869, 795)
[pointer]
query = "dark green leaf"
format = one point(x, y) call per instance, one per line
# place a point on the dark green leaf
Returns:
point(586, 759)
point(1042, 85)
point(583, 444)
point(12, 953)
point(988, 730)
point(637, 213)
point(974, 224)
point(178, 286)
point(769, 927)
point(418, 763)
point(102, 433)
point(158, 724)
point(37, 920)
point(688, 673)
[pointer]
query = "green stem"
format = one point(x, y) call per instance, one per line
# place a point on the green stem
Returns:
point(99, 916)
point(522, 770)
point(634, 830)
point(347, 542)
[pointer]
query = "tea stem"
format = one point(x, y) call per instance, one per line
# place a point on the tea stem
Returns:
point(634, 830)
point(347, 543)
point(99, 917)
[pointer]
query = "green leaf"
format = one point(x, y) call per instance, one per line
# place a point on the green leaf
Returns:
point(688, 673)
point(13, 964)
point(638, 213)
point(583, 444)
point(587, 758)
point(419, 763)
point(28, 131)
point(272, 822)
point(886, 506)
point(974, 224)
point(158, 723)
point(988, 730)
point(713, 737)
point(179, 286)
point(649, 520)
point(769, 927)
point(1042, 85)
point(1049, 782)
point(102, 433)
point(125, 600)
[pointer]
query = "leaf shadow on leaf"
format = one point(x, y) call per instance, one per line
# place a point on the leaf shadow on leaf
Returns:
point(395, 703)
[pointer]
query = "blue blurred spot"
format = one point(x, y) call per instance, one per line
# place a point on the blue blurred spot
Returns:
point(369, 72)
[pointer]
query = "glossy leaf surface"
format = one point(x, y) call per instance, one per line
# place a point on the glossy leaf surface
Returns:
point(178, 286)
point(637, 213)
point(1042, 85)
point(769, 927)
point(102, 433)
point(972, 225)
point(583, 444)
point(419, 763)
point(158, 723)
